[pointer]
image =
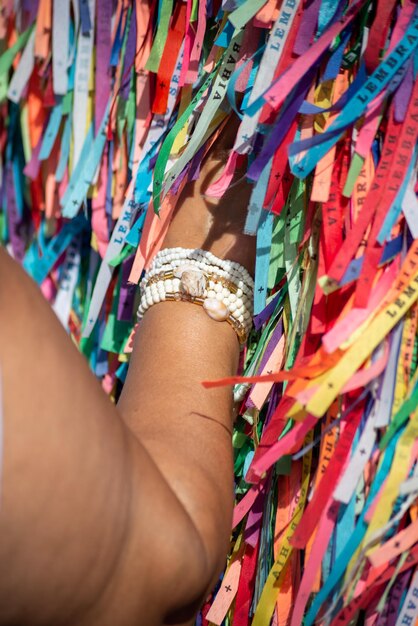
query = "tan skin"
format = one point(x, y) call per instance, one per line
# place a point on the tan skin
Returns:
point(119, 515)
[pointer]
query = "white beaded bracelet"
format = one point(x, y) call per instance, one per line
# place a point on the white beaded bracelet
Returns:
point(224, 288)
point(203, 258)
point(206, 268)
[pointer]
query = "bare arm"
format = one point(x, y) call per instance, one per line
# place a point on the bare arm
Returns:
point(186, 428)
point(97, 519)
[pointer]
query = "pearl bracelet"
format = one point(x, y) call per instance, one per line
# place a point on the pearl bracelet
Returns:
point(223, 288)
point(196, 254)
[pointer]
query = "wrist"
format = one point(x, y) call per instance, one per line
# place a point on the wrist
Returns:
point(222, 287)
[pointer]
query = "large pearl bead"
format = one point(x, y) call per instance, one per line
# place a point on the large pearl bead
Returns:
point(216, 309)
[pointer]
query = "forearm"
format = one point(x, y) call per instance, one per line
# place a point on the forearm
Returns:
point(186, 428)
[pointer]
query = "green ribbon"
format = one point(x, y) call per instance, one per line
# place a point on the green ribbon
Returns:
point(400, 418)
point(156, 54)
point(245, 12)
point(6, 59)
point(164, 153)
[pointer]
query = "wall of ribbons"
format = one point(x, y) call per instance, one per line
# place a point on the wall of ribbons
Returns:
point(106, 108)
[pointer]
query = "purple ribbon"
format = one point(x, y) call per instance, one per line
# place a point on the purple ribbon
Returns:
point(307, 27)
point(129, 55)
point(85, 17)
point(267, 312)
point(255, 518)
point(279, 131)
point(29, 12)
point(403, 95)
point(396, 597)
point(127, 293)
point(15, 224)
point(102, 77)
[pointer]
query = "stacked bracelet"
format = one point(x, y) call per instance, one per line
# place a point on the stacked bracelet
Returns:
point(224, 288)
